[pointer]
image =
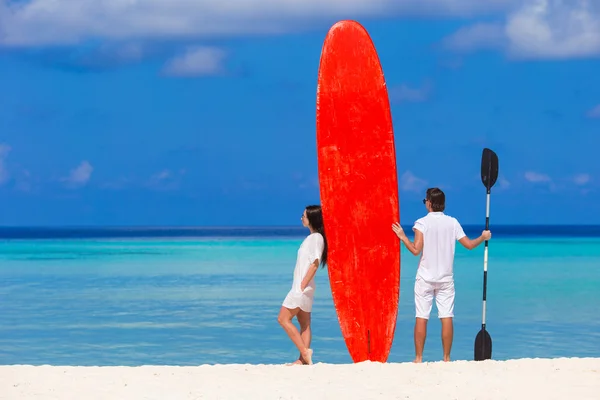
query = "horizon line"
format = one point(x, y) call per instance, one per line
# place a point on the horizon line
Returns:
point(259, 226)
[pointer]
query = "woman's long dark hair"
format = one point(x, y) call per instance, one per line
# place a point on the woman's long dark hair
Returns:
point(315, 219)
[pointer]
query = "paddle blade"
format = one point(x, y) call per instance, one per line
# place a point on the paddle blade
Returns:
point(489, 168)
point(483, 346)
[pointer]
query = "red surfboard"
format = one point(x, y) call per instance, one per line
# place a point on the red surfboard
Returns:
point(359, 190)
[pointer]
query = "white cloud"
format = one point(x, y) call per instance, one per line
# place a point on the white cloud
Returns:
point(476, 37)
point(166, 179)
point(560, 184)
point(503, 183)
point(581, 179)
point(305, 182)
point(555, 29)
point(538, 29)
point(543, 179)
point(536, 177)
point(57, 22)
point(4, 175)
point(23, 181)
point(404, 93)
point(80, 175)
point(196, 61)
point(125, 52)
point(594, 112)
point(161, 176)
point(409, 182)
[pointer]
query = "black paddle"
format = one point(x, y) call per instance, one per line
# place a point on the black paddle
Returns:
point(489, 174)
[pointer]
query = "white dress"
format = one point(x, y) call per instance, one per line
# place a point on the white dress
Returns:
point(310, 250)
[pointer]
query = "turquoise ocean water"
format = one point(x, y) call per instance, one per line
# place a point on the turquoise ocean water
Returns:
point(196, 296)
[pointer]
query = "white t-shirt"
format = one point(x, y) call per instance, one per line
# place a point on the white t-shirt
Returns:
point(440, 233)
point(310, 250)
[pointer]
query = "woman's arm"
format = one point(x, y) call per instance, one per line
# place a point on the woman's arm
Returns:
point(312, 270)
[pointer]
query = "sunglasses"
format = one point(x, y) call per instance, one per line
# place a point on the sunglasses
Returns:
point(424, 201)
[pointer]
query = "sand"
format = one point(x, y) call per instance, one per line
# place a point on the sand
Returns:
point(515, 379)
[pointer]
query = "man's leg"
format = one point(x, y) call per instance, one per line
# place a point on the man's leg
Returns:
point(447, 334)
point(423, 304)
point(445, 304)
point(420, 336)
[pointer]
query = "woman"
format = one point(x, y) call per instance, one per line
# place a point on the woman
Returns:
point(298, 302)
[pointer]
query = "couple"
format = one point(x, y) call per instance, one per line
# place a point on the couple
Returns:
point(435, 237)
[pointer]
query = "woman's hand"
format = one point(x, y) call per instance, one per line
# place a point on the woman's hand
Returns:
point(312, 270)
point(398, 230)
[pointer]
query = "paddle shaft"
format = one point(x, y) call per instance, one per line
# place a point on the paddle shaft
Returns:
point(485, 258)
point(489, 175)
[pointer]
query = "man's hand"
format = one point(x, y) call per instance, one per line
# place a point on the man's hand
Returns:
point(399, 231)
point(471, 244)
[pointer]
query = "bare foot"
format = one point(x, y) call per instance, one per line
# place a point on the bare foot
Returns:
point(447, 359)
point(418, 360)
point(297, 362)
point(307, 356)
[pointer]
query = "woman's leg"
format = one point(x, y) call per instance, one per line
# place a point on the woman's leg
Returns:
point(285, 320)
point(305, 331)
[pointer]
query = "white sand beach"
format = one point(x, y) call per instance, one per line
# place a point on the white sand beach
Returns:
point(514, 379)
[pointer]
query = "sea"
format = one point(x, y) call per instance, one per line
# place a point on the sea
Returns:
point(189, 296)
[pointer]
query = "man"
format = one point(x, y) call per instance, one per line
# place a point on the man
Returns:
point(435, 236)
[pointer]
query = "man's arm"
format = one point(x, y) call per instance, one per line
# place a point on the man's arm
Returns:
point(416, 247)
point(470, 244)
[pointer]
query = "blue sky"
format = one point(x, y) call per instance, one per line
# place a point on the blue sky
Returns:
point(169, 112)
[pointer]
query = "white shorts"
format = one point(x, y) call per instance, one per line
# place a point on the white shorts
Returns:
point(444, 298)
